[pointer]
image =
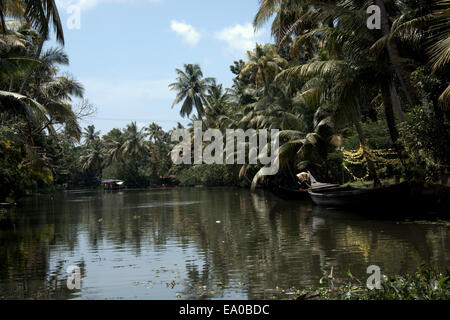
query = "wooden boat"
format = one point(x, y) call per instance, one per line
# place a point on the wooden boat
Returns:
point(7, 205)
point(109, 184)
point(301, 194)
point(349, 196)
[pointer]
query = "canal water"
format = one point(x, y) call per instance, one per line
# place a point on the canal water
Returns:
point(198, 244)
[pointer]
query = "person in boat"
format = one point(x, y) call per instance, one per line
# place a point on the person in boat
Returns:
point(304, 181)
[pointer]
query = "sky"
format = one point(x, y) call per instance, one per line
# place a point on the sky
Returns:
point(125, 52)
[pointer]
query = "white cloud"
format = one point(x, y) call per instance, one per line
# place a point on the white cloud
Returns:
point(90, 4)
point(188, 33)
point(239, 38)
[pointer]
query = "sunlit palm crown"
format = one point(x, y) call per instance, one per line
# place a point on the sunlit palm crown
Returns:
point(191, 88)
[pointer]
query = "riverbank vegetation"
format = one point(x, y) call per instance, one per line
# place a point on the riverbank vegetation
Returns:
point(427, 283)
point(352, 104)
point(35, 98)
point(331, 86)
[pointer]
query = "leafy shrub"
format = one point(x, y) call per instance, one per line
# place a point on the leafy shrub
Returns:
point(426, 140)
point(427, 283)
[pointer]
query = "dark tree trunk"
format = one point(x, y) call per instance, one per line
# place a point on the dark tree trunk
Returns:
point(362, 139)
point(394, 56)
point(389, 112)
point(396, 104)
point(390, 119)
point(436, 107)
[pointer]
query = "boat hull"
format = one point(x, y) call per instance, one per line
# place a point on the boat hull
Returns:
point(350, 197)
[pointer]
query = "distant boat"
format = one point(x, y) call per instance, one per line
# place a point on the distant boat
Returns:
point(367, 197)
point(7, 205)
point(109, 184)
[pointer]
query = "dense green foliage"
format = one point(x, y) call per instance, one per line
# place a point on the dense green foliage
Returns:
point(210, 175)
point(35, 99)
point(138, 156)
point(328, 83)
point(426, 138)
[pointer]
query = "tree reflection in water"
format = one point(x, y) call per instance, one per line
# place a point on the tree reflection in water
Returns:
point(155, 244)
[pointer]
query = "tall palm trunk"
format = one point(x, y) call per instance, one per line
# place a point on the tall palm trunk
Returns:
point(389, 112)
point(266, 86)
point(396, 104)
point(394, 56)
point(386, 92)
point(356, 115)
point(36, 56)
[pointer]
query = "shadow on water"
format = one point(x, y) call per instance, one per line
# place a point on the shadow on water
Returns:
point(198, 244)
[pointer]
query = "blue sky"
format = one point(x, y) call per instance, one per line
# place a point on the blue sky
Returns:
point(126, 51)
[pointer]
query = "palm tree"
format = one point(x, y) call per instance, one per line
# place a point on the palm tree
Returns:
point(218, 106)
point(42, 14)
point(47, 68)
point(113, 143)
point(422, 25)
point(91, 158)
point(291, 18)
point(285, 110)
point(264, 63)
point(12, 9)
point(394, 56)
point(347, 39)
point(91, 161)
point(56, 94)
point(47, 101)
point(90, 135)
point(344, 87)
point(191, 88)
point(440, 49)
point(134, 144)
point(155, 133)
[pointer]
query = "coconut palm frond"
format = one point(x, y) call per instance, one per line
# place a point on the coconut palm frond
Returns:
point(444, 99)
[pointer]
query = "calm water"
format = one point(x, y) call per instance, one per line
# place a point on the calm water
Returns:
point(169, 245)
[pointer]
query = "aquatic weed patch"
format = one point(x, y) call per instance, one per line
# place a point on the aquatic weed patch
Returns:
point(427, 283)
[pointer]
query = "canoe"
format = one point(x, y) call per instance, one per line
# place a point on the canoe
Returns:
point(356, 197)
